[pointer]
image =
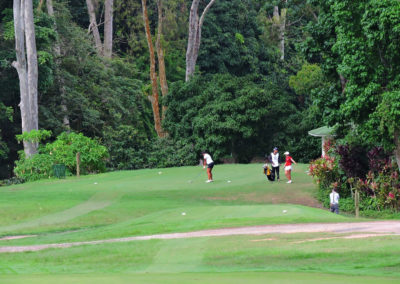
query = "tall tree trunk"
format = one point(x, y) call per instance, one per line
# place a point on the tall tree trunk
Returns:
point(108, 28)
point(40, 5)
point(397, 145)
point(193, 26)
point(31, 55)
point(59, 77)
point(160, 55)
point(93, 26)
point(27, 68)
point(282, 31)
point(194, 38)
point(153, 76)
point(280, 22)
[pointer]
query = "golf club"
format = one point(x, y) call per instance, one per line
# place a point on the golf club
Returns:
point(200, 172)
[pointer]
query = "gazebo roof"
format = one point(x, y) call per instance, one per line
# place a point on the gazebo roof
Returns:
point(322, 131)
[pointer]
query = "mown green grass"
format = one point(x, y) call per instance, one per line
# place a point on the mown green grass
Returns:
point(372, 257)
point(151, 201)
point(146, 202)
point(195, 278)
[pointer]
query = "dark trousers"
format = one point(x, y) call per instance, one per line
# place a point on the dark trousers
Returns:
point(335, 208)
point(275, 172)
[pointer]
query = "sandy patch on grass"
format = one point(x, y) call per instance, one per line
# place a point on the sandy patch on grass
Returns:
point(377, 227)
point(7, 238)
point(355, 236)
point(263, 240)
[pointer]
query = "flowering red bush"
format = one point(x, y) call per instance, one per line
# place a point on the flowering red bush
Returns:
point(325, 171)
point(372, 174)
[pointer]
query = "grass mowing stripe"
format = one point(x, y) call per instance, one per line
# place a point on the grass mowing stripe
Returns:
point(178, 256)
point(96, 202)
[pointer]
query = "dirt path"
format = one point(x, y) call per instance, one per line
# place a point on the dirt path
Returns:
point(377, 227)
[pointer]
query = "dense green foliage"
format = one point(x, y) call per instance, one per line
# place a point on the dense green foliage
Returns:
point(63, 151)
point(340, 67)
point(106, 99)
point(360, 41)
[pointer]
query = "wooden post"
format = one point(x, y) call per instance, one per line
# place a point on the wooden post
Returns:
point(78, 161)
point(357, 203)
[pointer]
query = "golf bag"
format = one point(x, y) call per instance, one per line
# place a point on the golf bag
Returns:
point(267, 171)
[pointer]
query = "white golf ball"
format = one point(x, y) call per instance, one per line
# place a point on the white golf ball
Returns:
point(95, 183)
point(159, 173)
point(284, 211)
point(229, 181)
point(183, 213)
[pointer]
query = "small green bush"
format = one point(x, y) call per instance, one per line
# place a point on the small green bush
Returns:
point(346, 205)
point(67, 145)
point(63, 151)
point(37, 167)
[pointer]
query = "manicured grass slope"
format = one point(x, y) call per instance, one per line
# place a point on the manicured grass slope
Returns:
point(152, 201)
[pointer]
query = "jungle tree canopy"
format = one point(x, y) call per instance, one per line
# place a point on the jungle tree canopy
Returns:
point(267, 72)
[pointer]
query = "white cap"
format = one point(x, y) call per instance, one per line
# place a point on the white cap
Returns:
point(286, 153)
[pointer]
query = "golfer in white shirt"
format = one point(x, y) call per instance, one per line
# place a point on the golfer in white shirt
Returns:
point(334, 201)
point(208, 161)
point(275, 161)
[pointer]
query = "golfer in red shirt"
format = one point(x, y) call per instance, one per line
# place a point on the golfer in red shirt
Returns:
point(288, 167)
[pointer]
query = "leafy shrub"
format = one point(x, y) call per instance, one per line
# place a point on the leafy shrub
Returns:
point(386, 186)
point(346, 204)
point(67, 145)
point(325, 171)
point(36, 167)
point(62, 151)
point(34, 135)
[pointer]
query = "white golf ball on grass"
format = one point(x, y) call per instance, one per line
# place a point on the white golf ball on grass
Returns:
point(284, 211)
point(183, 213)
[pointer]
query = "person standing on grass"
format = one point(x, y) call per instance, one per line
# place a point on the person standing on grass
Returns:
point(275, 161)
point(288, 167)
point(208, 161)
point(334, 201)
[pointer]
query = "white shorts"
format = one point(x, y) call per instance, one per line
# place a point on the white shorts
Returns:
point(288, 168)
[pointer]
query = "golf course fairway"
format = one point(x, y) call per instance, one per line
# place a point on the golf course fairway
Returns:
point(126, 204)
